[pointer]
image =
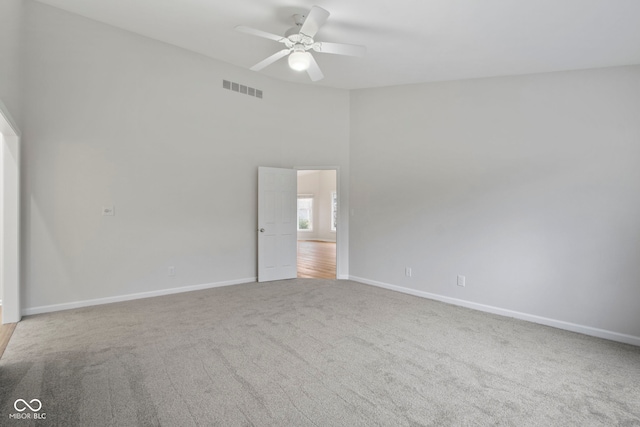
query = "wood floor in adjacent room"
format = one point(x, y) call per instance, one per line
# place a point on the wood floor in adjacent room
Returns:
point(316, 259)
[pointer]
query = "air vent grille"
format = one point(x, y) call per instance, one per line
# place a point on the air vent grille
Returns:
point(245, 90)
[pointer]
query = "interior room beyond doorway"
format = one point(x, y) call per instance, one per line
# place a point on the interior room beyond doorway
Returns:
point(317, 223)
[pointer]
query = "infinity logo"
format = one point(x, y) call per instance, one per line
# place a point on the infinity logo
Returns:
point(27, 405)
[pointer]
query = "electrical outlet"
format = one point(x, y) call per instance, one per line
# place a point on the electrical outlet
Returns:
point(407, 271)
point(172, 271)
point(461, 281)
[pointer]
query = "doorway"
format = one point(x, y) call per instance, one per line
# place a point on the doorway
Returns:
point(317, 223)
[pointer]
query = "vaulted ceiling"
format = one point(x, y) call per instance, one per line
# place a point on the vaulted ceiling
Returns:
point(407, 41)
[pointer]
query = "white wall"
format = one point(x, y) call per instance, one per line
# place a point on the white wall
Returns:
point(327, 183)
point(112, 118)
point(320, 184)
point(11, 13)
point(529, 186)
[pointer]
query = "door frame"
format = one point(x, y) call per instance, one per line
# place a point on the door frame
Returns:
point(342, 232)
point(10, 217)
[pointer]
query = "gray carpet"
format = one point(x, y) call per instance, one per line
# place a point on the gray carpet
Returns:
point(311, 353)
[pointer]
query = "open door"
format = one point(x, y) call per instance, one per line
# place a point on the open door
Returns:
point(9, 218)
point(277, 230)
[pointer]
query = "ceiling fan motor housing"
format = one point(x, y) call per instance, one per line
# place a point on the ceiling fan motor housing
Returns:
point(298, 19)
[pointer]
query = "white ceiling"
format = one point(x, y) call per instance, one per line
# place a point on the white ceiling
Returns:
point(407, 41)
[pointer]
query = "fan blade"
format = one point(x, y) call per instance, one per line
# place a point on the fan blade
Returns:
point(270, 60)
point(316, 18)
point(340, 49)
point(314, 70)
point(259, 33)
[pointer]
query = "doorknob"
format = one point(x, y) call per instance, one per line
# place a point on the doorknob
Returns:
point(262, 230)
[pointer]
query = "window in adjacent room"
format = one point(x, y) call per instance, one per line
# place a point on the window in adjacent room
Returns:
point(305, 212)
point(334, 210)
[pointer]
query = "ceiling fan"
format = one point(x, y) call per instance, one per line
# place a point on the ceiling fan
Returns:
point(299, 40)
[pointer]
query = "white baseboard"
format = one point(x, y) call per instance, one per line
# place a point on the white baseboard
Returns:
point(560, 324)
point(129, 297)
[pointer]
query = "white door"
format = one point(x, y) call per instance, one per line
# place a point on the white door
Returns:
point(9, 219)
point(277, 230)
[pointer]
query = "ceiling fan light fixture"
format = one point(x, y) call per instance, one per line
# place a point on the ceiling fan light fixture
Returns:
point(299, 40)
point(299, 60)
